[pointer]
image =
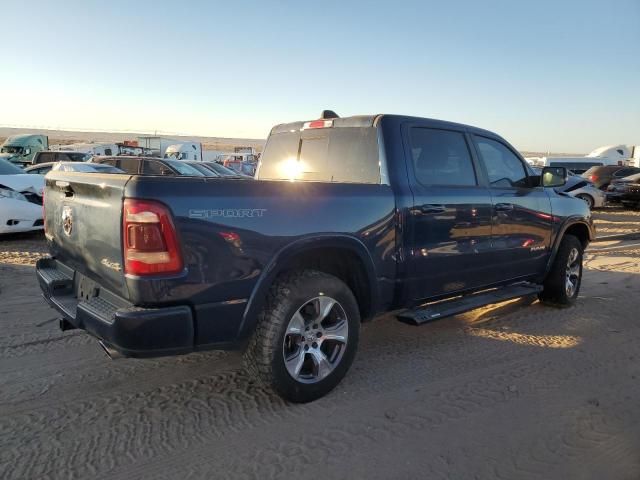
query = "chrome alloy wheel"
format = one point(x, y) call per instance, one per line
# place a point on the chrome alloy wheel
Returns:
point(572, 273)
point(315, 340)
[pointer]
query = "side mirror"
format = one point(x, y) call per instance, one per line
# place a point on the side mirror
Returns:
point(553, 176)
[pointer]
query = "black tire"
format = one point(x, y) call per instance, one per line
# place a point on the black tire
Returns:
point(586, 198)
point(556, 290)
point(265, 355)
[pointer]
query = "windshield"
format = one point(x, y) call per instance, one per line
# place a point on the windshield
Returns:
point(12, 150)
point(204, 170)
point(184, 169)
point(8, 168)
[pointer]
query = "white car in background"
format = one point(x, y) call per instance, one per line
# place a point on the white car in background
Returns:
point(582, 188)
point(20, 199)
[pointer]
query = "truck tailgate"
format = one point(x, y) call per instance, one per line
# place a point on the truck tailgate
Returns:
point(83, 218)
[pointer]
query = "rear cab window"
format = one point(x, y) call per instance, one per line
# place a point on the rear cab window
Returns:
point(335, 154)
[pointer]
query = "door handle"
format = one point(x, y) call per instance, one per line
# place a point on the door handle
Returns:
point(432, 208)
point(504, 207)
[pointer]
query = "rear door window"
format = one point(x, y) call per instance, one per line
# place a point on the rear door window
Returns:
point(441, 157)
point(504, 168)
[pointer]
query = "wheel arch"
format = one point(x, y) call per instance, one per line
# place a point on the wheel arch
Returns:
point(579, 227)
point(592, 199)
point(343, 256)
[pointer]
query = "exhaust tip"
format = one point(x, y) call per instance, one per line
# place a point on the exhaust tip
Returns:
point(112, 353)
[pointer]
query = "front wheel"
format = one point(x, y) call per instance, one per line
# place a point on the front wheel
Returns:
point(562, 285)
point(306, 337)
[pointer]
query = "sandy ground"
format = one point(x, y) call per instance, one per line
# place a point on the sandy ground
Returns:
point(517, 390)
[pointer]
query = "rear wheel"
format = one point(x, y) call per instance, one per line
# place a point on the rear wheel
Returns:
point(306, 337)
point(587, 198)
point(562, 285)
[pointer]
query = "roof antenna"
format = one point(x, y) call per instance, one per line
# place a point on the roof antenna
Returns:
point(326, 114)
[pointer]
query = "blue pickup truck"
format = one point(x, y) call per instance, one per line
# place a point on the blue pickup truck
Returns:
point(347, 218)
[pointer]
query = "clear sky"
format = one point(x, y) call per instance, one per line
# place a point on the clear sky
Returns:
point(548, 75)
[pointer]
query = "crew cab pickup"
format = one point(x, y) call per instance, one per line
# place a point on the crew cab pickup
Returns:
point(349, 218)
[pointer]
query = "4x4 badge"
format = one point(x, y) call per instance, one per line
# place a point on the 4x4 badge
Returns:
point(67, 220)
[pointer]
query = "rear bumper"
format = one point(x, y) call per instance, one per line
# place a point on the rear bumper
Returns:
point(131, 331)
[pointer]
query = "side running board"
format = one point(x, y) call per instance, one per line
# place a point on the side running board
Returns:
point(446, 308)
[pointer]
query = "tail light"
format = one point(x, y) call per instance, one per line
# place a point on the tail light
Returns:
point(593, 178)
point(150, 244)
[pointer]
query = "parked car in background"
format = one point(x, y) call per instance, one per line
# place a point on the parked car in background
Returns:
point(244, 163)
point(84, 167)
point(45, 168)
point(149, 166)
point(20, 199)
point(356, 216)
point(625, 191)
point(223, 171)
point(41, 169)
point(207, 172)
point(576, 166)
point(49, 156)
point(602, 176)
point(579, 187)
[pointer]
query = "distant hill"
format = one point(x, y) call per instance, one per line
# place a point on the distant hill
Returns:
point(63, 137)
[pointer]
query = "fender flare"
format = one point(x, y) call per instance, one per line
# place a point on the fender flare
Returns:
point(568, 222)
point(277, 264)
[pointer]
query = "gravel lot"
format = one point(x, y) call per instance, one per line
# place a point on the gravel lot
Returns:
point(517, 390)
